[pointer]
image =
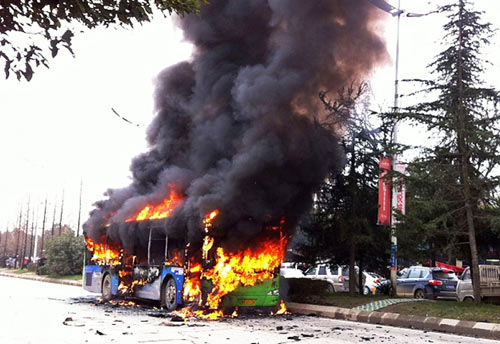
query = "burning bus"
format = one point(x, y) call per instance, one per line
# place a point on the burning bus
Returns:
point(166, 269)
point(237, 127)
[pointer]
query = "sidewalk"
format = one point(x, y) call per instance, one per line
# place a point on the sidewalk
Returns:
point(459, 327)
point(35, 277)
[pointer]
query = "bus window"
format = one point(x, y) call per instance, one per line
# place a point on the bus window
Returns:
point(157, 245)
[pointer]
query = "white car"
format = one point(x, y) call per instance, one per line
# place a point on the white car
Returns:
point(291, 270)
point(330, 273)
point(372, 280)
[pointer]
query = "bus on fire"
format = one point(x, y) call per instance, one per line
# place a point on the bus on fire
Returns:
point(167, 270)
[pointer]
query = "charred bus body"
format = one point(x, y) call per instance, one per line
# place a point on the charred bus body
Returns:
point(157, 267)
point(151, 268)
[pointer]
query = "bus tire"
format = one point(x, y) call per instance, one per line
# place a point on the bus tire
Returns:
point(106, 290)
point(169, 295)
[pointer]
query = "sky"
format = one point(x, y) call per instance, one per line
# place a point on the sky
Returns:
point(58, 130)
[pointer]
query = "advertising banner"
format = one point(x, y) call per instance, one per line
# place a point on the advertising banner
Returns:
point(399, 195)
point(384, 193)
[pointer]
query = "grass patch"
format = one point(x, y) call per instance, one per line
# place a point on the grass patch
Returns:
point(68, 277)
point(449, 309)
point(338, 299)
point(20, 271)
point(304, 290)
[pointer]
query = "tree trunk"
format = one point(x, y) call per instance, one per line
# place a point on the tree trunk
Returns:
point(360, 275)
point(465, 163)
point(43, 227)
point(352, 260)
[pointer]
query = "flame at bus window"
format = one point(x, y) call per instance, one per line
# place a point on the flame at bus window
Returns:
point(158, 211)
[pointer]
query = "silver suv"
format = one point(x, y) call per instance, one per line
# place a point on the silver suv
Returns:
point(337, 276)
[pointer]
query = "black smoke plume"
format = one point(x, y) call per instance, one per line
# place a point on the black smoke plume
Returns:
point(235, 127)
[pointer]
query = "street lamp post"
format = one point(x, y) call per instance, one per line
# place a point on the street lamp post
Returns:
point(394, 239)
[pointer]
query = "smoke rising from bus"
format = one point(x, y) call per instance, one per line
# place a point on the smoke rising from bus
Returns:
point(235, 126)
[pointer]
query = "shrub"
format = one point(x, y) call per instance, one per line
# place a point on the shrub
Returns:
point(305, 286)
point(32, 267)
point(42, 270)
point(65, 255)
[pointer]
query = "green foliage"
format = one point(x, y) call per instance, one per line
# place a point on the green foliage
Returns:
point(32, 267)
point(22, 21)
point(453, 183)
point(65, 255)
point(305, 286)
point(345, 212)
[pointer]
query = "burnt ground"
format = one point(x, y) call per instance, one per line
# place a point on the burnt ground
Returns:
point(36, 312)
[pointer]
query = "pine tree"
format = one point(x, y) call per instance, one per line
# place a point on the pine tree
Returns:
point(343, 223)
point(457, 175)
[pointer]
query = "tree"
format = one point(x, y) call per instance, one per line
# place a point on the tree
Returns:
point(21, 21)
point(65, 255)
point(457, 173)
point(343, 222)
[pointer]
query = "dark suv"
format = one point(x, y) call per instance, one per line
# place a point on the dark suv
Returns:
point(430, 283)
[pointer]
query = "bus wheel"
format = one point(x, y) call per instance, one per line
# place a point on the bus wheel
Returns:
point(169, 299)
point(106, 288)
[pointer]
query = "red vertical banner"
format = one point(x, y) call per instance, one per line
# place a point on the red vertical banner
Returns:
point(384, 193)
point(399, 194)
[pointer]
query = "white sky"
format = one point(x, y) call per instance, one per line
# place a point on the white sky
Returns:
point(58, 129)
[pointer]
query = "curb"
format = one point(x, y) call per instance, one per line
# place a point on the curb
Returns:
point(42, 279)
point(460, 327)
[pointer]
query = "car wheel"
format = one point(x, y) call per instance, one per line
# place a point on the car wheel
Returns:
point(106, 291)
point(366, 291)
point(169, 299)
point(419, 294)
point(468, 299)
point(330, 289)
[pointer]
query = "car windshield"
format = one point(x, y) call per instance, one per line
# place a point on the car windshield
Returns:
point(443, 275)
point(311, 271)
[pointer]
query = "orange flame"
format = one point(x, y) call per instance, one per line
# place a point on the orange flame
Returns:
point(282, 309)
point(176, 259)
point(187, 312)
point(104, 253)
point(243, 268)
point(209, 218)
point(192, 282)
point(158, 211)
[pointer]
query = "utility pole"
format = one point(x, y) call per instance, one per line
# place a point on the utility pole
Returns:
point(53, 220)
point(79, 209)
point(60, 218)
point(18, 235)
point(33, 232)
point(26, 227)
point(394, 239)
point(43, 227)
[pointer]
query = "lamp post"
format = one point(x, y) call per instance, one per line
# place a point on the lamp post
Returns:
point(398, 191)
point(394, 239)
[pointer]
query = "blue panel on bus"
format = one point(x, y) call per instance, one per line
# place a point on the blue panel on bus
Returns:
point(115, 281)
point(178, 274)
point(92, 277)
point(93, 268)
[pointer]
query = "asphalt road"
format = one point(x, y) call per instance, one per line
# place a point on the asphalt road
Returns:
point(37, 312)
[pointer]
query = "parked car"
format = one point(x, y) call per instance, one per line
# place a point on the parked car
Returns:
point(330, 273)
point(489, 282)
point(425, 282)
point(345, 277)
point(291, 270)
point(373, 280)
